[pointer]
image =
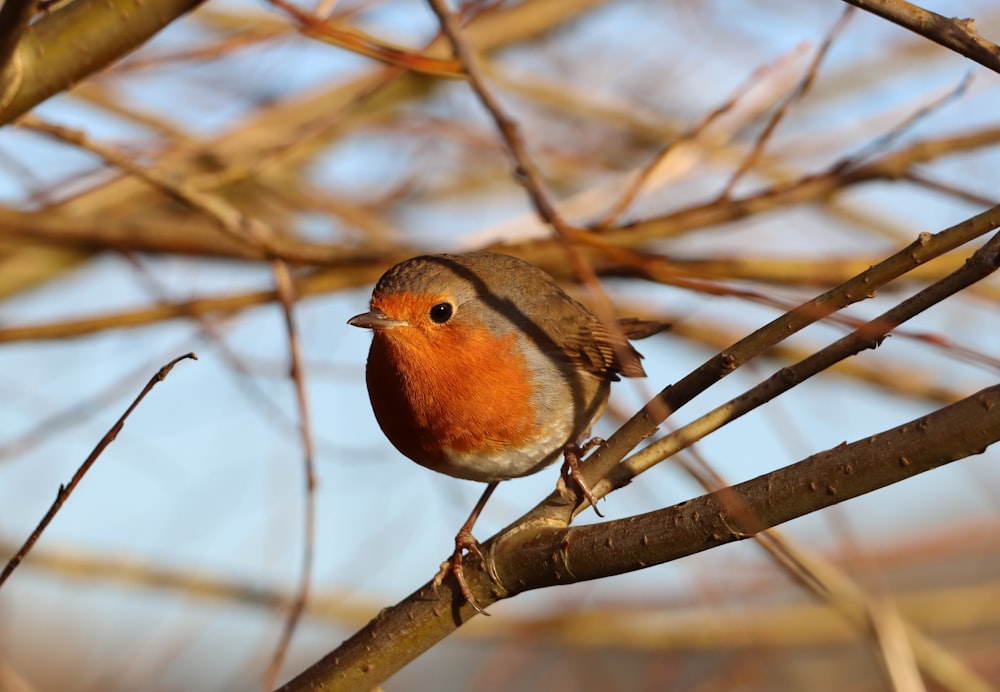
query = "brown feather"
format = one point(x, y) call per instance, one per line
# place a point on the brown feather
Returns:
point(598, 350)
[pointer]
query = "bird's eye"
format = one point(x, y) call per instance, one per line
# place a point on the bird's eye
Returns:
point(442, 312)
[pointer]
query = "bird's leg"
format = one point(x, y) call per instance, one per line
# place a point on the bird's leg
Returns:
point(464, 540)
point(572, 455)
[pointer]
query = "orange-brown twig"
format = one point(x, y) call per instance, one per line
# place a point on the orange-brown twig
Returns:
point(361, 43)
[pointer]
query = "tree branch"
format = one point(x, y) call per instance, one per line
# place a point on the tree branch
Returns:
point(14, 18)
point(81, 38)
point(981, 264)
point(646, 421)
point(542, 555)
point(65, 490)
point(959, 35)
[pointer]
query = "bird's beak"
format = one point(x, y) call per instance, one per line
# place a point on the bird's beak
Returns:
point(376, 319)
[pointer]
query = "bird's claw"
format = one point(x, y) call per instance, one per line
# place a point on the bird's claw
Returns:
point(572, 455)
point(464, 541)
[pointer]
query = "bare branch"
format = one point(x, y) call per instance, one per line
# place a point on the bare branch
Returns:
point(959, 35)
point(65, 490)
point(286, 295)
point(800, 90)
point(14, 18)
point(981, 264)
point(540, 555)
point(644, 423)
point(80, 38)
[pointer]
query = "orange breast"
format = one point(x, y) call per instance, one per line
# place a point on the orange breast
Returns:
point(458, 388)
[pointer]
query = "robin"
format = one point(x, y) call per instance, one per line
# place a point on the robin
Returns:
point(481, 367)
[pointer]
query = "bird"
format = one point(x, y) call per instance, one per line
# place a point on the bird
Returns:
point(482, 367)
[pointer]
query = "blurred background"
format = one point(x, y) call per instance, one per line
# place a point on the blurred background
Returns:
point(172, 565)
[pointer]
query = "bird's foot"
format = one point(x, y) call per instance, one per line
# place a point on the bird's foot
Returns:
point(464, 541)
point(572, 455)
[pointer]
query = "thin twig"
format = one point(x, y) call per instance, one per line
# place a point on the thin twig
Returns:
point(981, 264)
point(925, 181)
point(359, 270)
point(244, 373)
point(622, 204)
point(228, 218)
point(65, 490)
point(77, 412)
point(810, 188)
point(800, 91)
point(526, 172)
point(286, 295)
point(646, 421)
point(897, 655)
point(884, 141)
point(254, 238)
point(356, 41)
point(64, 230)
